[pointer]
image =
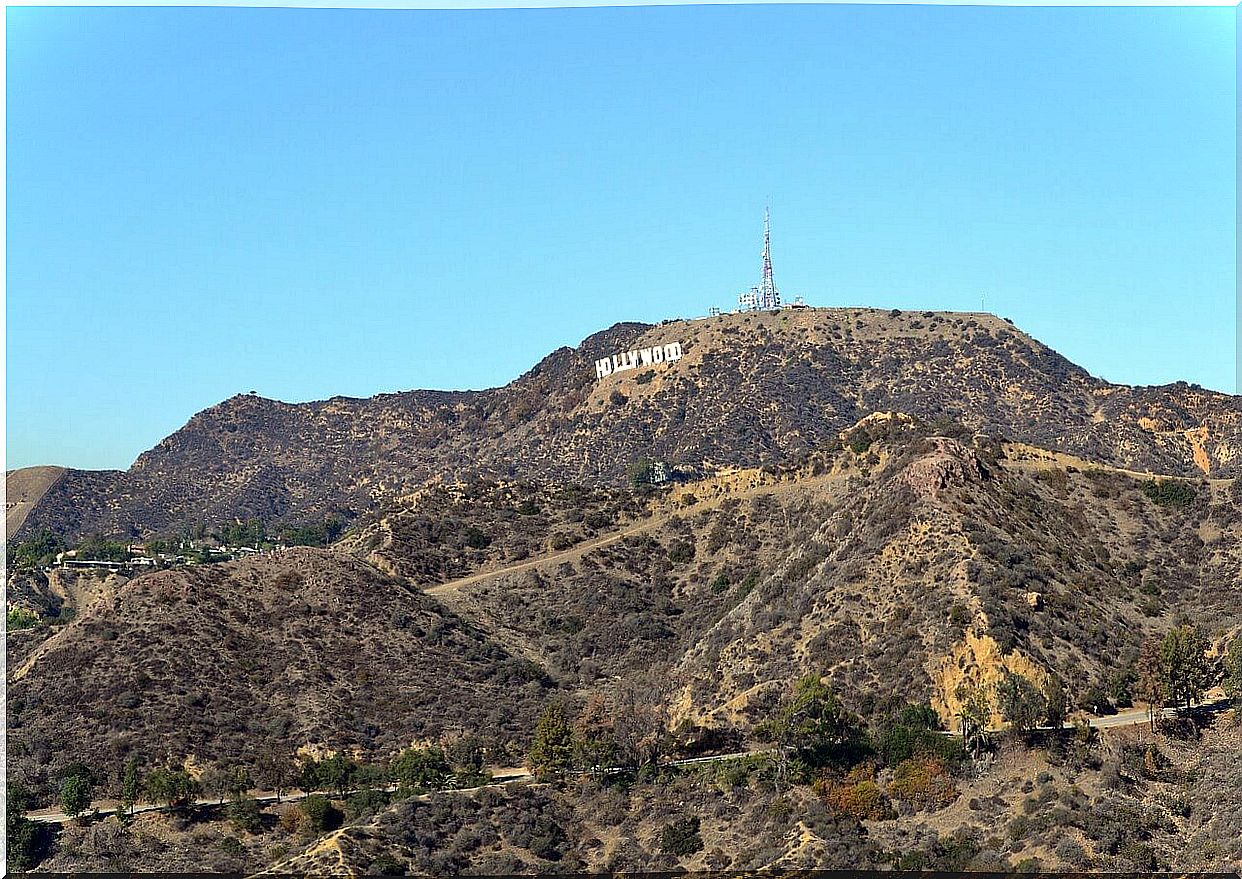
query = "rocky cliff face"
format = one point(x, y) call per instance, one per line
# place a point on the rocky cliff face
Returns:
point(752, 389)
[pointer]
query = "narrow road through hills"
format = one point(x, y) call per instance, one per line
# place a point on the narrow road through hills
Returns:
point(500, 777)
point(516, 775)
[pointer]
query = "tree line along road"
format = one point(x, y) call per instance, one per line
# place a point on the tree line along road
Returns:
point(517, 775)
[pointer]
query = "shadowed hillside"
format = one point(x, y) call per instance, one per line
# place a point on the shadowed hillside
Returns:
point(23, 489)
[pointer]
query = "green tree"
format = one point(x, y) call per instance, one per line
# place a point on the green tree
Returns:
point(1020, 702)
point(275, 770)
point(465, 754)
point(914, 731)
point(238, 781)
point(811, 728)
point(1149, 683)
point(175, 788)
point(420, 769)
point(98, 548)
point(974, 714)
point(1183, 655)
point(214, 782)
point(308, 774)
point(39, 549)
point(336, 772)
point(75, 795)
point(238, 533)
point(1055, 701)
point(681, 837)
point(1233, 671)
point(552, 751)
point(25, 840)
point(131, 785)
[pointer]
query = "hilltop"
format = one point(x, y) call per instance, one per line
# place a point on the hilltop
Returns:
point(753, 389)
point(905, 508)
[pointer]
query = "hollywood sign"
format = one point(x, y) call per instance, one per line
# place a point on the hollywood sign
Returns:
point(606, 366)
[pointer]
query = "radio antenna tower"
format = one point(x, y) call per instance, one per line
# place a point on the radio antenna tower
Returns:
point(769, 296)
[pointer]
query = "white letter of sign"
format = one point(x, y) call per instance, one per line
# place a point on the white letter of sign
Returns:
point(672, 351)
point(603, 368)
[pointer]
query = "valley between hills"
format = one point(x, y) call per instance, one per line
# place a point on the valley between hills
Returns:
point(906, 567)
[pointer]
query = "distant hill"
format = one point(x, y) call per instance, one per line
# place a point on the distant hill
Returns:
point(24, 489)
point(753, 389)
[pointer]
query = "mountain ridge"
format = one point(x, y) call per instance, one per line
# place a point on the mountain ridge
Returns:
point(752, 389)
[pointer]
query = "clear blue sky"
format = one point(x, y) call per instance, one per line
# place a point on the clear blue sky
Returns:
point(306, 203)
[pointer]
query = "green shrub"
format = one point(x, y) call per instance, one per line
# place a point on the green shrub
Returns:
point(366, 802)
point(244, 814)
point(680, 551)
point(1170, 492)
point(598, 519)
point(386, 865)
point(321, 813)
point(746, 586)
point(20, 618)
point(681, 837)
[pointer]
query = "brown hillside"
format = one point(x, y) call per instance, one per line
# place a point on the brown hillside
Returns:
point(924, 576)
point(221, 661)
point(23, 489)
point(1100, 809)
point(753, 389)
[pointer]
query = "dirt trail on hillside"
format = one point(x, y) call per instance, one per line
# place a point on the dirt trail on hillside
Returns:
point(581, 549)
point(454, 593)
point(1026, 457)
